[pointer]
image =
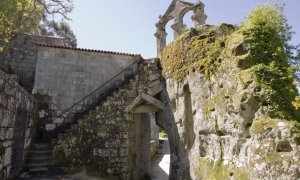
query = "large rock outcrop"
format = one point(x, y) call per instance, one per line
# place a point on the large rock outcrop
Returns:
point(228, 114)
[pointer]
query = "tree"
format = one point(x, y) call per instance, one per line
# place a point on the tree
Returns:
point(57, 7)
point(25, 15)
point(267, 27)
point(62, 29)
point(18, 16)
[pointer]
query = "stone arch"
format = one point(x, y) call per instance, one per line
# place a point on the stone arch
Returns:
point(180, 20)
point(176, 12)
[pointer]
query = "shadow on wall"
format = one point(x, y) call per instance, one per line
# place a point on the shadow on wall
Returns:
point(179, 162)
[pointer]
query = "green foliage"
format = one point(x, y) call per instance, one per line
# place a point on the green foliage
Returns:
point(18, 16)
point(267, 32)
point(25, 15)
point(215, 171)
point(163, 134)
point(61, 29)
point(281, 92)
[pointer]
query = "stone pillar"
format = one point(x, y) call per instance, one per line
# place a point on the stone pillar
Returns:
point(199, 16)
point(177, 27)
point(161, 41)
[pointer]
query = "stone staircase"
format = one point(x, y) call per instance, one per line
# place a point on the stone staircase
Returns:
point(102, 136)
point(39, 158)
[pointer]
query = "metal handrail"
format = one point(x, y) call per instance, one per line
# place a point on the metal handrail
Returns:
point(94, 92)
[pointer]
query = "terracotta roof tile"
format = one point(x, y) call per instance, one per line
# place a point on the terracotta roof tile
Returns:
point(42, 36)
point(89, 50)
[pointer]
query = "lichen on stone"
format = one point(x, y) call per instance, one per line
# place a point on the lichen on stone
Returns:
point(195, 50)
point(218, 170)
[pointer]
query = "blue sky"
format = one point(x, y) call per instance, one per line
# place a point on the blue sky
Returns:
point(129, 25)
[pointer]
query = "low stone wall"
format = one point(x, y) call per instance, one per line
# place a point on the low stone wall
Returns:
point(16, 125)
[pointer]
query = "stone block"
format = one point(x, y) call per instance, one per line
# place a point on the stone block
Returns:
point(9, 133)
point(124, 152)
point(58, 120)
point(27, 143)
point(3, 100)
point(7, 156)
point(154, 83)
point(1, 116)
point(27, 133)
point(9, 90)
point(2, 85)
point(7, 143)
point(153, 77)
point(50, 127)
point(155, 90)
point(2, 133)
point(5, 118)
point(11, 104)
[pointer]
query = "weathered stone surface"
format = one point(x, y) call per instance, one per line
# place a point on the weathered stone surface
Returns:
point(7, 156)
point(217, 124)
point(111, 139)
point(176, 12)
point(63, 77)
point(16, 112)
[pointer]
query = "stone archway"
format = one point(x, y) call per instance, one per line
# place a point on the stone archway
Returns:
point(175, 12)
point(139, 133)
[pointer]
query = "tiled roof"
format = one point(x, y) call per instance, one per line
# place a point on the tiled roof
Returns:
point(51, 40)
point(42, 36)
point(89, 50)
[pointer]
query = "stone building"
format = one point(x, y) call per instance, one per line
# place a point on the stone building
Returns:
point(71, 107)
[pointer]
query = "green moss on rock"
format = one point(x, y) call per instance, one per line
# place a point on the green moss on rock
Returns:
point(215, 171)
point(195, 50)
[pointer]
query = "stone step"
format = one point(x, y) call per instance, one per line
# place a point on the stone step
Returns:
point(39, 160)
point(42, 165)
point(41, 146)
point(38, 171)
point(39, 153)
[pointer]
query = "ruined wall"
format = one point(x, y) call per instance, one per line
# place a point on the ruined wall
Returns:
point(108, 139)
point(219, 110)
point(16, 125)
point(65, 76)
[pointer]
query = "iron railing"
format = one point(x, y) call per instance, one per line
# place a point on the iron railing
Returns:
point(90, 101)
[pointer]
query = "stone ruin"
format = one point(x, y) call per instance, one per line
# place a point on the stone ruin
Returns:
point(89, 109)
point(176, 12)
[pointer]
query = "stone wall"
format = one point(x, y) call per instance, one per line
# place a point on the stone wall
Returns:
point(16, 125)
point(111, 140)
point(64, 76)
point(218, 122)
point(21, 56)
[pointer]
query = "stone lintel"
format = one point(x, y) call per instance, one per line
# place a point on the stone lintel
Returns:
point(141, 100)
point(145, 108)
point(153, 101)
